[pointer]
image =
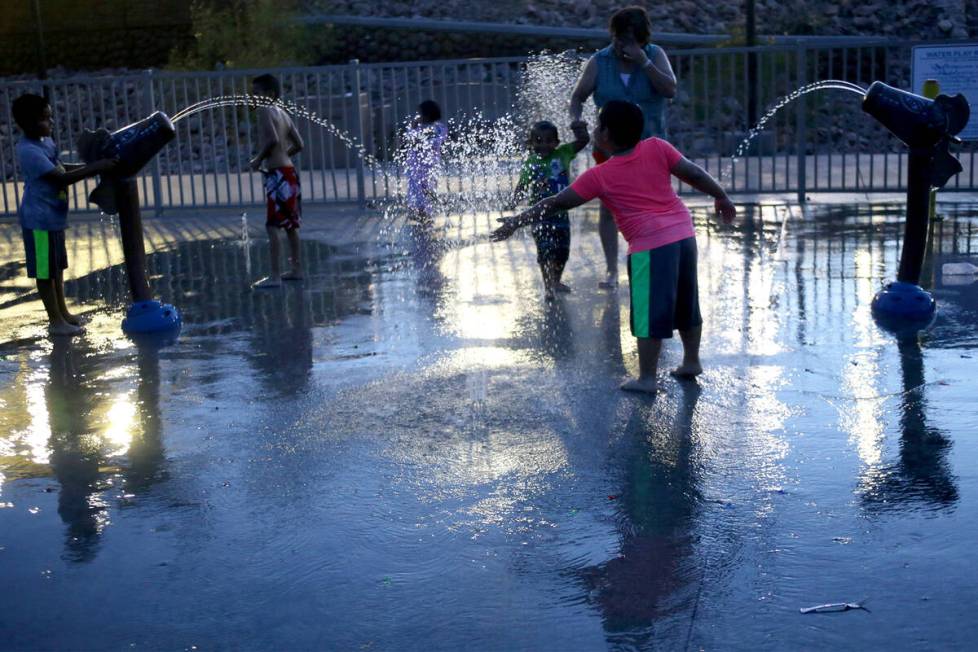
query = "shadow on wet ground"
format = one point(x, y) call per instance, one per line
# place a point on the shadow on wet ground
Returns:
point(411, 449)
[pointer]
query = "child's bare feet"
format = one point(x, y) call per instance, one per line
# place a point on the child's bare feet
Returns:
point(687, 370)
point(562, 288)
point(74, 320)
point(267, 283)
point(644, 385)
point(64, 329)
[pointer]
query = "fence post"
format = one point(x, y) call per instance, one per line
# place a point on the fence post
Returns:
point(801, 123)
point(149, 105)
point(358, 132)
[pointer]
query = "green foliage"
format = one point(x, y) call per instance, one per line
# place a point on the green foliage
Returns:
point(242, 34)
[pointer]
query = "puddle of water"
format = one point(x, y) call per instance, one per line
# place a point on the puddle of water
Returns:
point(310, 466)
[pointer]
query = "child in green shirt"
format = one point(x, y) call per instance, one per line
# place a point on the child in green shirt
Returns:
point(545, 173)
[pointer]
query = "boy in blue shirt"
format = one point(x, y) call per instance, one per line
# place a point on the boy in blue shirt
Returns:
point(545, 173)
point(44, 206)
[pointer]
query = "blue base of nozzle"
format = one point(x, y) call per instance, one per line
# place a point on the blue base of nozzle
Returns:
point(901, 305)
point(151, 317)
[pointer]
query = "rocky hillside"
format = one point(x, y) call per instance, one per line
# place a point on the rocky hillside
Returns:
point(928, 19)
point(204, 34)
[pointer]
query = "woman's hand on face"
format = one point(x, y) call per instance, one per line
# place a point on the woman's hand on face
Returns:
point(632, 51)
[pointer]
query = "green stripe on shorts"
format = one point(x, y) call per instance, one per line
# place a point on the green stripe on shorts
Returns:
point(640, 282)
point(42, 255)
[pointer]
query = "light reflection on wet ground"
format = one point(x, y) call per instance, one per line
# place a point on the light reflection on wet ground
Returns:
point(411, 450)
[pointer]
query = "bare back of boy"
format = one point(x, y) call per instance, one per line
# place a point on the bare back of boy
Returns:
point(276, 126)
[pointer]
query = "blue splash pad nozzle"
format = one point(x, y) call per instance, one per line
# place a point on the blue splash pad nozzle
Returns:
point(151, 317)
point(901, 305)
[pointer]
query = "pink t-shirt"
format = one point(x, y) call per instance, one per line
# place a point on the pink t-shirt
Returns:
point(637, 189)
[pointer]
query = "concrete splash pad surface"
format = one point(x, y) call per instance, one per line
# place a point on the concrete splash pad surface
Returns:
point(411, 450)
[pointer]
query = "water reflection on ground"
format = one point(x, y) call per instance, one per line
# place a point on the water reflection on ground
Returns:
point(413, 450)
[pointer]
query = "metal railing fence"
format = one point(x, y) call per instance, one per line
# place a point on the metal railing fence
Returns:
point(820, 143)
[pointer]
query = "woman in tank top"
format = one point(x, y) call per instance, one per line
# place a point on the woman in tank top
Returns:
point(630, 69)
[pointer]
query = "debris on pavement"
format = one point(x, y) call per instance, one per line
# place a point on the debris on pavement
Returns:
point(835, 606)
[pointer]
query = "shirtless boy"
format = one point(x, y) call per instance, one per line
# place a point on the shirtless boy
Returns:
point(280, 141)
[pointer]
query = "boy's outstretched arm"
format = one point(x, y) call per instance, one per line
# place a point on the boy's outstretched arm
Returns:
point(565, 200)
point(78, 172)
point(695, 176)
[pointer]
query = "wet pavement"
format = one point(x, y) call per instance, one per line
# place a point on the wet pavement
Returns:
point(411, 450)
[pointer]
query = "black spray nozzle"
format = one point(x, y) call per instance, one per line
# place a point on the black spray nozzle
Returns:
point(943, 165)
point(134, 145)
point(914, 119)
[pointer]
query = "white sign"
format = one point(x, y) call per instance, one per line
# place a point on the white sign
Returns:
point(955, 67)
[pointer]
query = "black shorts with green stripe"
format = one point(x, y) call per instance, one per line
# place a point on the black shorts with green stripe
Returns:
point(663, 290)
point(46, 253)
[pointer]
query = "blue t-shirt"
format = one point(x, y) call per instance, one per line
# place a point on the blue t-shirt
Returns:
point(44, 205)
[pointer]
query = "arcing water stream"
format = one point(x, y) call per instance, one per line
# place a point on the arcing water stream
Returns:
point(828, 84)
point(256, 101)
point(482, 154)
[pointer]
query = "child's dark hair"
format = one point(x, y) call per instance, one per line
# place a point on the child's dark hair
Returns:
point(27, 110)
point(269, 84)
point(429, 111)
point(624, 122)
point(632, 20)
point(544, 126)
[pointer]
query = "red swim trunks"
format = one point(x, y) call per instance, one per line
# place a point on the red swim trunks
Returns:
point(284, 198)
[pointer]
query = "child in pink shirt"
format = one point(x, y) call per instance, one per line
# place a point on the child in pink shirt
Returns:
point(636, 185)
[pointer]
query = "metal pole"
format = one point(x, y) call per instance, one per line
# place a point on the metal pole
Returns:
point(42, 72)
point(131, 230)
point(358, 130)
point(918, 204)
point(751, 66)
point(801, 145)
point(931, 90)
